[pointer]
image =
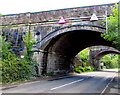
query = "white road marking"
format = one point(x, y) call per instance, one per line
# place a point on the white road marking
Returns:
point(66, 84)
point(107, 85)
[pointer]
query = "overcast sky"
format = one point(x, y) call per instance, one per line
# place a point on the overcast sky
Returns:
point(22, 6)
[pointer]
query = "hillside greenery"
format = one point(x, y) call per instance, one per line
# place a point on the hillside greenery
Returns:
point(84, 56)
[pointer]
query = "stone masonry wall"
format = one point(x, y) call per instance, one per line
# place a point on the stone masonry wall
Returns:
point(53, 16)
point(43, 23)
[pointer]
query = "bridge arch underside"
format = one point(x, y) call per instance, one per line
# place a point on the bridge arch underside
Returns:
point(103, 53)
point(62, 49)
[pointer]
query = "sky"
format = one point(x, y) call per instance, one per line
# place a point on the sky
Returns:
point(23, 6)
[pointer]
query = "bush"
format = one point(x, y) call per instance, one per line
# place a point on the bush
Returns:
point(15, 69)
point(77, 70)
point(49, 74)
point(12, 67)
point(89, 68)
point(80, 69)
point(92, 69)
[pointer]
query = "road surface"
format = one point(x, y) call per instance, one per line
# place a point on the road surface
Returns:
point(91, 82)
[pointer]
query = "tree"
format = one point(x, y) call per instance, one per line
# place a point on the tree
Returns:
point(111, 33)
point(110, 60)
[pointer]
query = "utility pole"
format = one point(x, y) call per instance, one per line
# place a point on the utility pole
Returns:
point(119, 30)
point(119, 18)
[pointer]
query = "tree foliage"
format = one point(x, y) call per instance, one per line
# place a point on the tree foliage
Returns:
point(84, 54)
point(111, 33)
point(110, 61)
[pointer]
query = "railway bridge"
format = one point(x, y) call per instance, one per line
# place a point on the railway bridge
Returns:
point(59, 34)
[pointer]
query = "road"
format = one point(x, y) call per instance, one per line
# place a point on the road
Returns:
point(91, 82)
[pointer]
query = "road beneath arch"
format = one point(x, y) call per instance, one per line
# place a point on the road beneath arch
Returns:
point(91, 82)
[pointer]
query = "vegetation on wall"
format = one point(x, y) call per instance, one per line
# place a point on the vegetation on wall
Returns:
point(14, 68)
point(28, 40)
point(28, 53)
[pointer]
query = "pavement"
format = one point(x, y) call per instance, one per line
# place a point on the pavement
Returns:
point(95, 83)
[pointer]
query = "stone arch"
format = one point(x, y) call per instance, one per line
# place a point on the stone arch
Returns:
point(96, 53)
point(65, 29)
point(61, 46)
point(105, 52)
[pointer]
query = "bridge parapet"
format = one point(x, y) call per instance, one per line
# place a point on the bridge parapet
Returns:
point(70, 14)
